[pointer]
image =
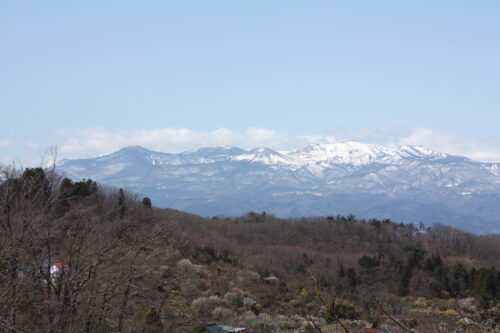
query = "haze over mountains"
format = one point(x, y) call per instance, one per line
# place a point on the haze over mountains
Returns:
point(406, 183)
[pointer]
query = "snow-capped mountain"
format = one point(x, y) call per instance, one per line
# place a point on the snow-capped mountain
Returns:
point(265, 156)
point(406, 183)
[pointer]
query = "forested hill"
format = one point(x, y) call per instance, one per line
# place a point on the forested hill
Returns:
point(123, 265)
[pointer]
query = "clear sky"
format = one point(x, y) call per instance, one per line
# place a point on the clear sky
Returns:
point(91, 76)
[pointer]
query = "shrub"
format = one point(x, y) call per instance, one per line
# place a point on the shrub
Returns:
point(205, 305)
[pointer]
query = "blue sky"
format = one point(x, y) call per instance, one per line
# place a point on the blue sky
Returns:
point(92, 76)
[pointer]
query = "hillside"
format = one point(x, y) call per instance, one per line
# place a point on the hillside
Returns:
point(406, 183)
point(127, 266)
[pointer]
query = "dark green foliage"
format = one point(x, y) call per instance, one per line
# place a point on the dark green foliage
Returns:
point(406, 230)
point(325, 281)
point(352, 277)
point(485, 285)
point(146, 202)
point(341, 310)
point(256, 217)
point(341, 272)
point(351, 218)
point(441, 274)
point(436, 268)
point(376, 224)
point(208, 255)
point(70, 191)
point(404, 282)
point(309, 329)
point(459, 280)
point(492, 316)
point(32, 185)
point(368, 263)
point(80, 189)
point(416, 254)
point(84, 188)
point(122, 208)
point(432, 263)
point(147, 314)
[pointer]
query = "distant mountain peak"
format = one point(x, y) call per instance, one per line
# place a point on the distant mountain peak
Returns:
point(418, 150)
point(264, 155)
point(227, 150)
point(133, 149)
point(356, 153)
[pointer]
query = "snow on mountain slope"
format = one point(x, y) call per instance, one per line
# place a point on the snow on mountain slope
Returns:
point(265, 156)
point(357, 154)
point(343, 153)
point(345, 177)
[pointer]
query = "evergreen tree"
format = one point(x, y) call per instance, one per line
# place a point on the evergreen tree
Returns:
point(122, 208)
point(146, 202)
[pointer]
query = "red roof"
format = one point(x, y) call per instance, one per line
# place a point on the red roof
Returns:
point(60, 265)
point(372, 330)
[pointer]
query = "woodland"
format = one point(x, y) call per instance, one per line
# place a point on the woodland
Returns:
point(132, 267)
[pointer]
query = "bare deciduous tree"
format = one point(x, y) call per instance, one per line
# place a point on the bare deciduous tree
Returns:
point(110, 253)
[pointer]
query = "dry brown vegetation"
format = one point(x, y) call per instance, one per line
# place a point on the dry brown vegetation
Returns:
point(117, 254)
point(375, 269)
point(133, 268)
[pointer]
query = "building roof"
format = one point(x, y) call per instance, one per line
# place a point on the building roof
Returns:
point(373, 330)
point(216, 328)
point(26, 269)
point(60, 265)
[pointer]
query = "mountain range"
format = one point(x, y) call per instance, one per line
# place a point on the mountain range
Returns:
point(405, 183)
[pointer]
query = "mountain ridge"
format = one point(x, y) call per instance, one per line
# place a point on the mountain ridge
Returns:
point(408, 183)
